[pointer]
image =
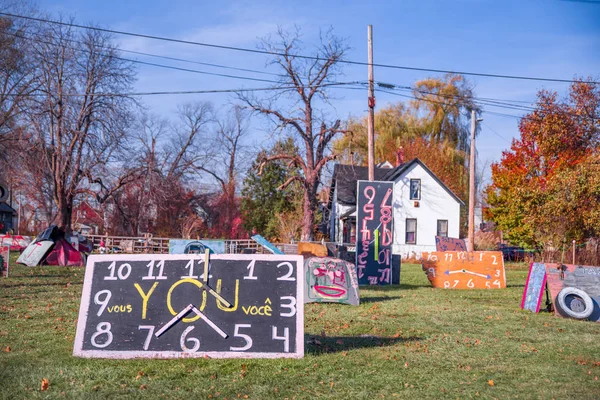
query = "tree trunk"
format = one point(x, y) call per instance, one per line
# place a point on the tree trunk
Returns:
point(65, 214)
point(309, 208)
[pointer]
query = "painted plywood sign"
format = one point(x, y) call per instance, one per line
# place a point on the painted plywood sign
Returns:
point(443, 243)
point(465, 270)
point(374, 232)
point(575, 290)
point(330, 280)
point(534, 287)
point(4, 259)
point(191, 246)
point(266, 244)
point(163, 306)
point(308, 249)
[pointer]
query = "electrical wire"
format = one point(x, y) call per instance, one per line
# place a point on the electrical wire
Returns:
point(256, 51)
point(145, 62)
point(184, 92)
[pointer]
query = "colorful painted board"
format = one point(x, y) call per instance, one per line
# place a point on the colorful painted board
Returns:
point(581, 278)
point(35, 252)
point(443, 243)
point(266, 244)
point(465, 270)
point(177, 305)
point(330, 280)
point(374, 224)
point(534, 287)
point(4, 259)
point(191, 246)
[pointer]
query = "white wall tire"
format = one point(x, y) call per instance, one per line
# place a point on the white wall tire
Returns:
point(587, 301)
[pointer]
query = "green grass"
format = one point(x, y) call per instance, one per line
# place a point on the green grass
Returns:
point(410, 342)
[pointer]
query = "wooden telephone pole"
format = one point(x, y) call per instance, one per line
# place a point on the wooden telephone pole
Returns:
point(471, 232)
point(371, 117)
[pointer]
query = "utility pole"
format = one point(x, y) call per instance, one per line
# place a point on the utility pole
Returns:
point(471, 232)
point(371, 118)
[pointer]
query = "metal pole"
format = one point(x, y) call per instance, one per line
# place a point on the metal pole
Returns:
point(371, 117)
point(573, 251)
point(471, 232)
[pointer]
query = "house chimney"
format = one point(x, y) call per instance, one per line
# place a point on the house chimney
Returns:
point(399, 156)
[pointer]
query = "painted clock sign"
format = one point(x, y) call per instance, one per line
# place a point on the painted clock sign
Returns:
point(177, 305)
point(465, 270)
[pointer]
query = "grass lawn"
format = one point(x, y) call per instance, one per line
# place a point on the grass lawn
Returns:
point(409, 341)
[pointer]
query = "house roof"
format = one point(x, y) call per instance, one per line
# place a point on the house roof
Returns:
point(5, 208)
point(345, 177)
point(399, 170)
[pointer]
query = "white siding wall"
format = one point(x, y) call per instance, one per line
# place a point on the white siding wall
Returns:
point(436, 203)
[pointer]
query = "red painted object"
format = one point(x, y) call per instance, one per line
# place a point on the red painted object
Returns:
point(15, 242)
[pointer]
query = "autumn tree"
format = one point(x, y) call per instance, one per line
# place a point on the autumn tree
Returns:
point(299, 109)
point(432, 127)
point(544, 189)
point(263, 199)
point(79, 115)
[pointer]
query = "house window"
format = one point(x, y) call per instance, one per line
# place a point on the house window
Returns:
point(442, 227)
point(415, 189)
point(411, 231)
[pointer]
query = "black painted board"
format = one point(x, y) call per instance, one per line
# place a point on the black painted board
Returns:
point(350, 256)
point(374, 232)
point(133, 306)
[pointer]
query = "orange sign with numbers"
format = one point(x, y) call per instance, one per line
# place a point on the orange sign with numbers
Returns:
point(465, 270)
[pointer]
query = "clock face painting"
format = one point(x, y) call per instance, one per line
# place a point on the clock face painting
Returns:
point(465, 270)
point(169, 306)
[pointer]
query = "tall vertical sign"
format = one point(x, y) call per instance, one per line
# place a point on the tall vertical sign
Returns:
point(374, 227)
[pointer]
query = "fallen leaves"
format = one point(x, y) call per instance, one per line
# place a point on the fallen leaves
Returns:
point(45, 384)
point(491, 382)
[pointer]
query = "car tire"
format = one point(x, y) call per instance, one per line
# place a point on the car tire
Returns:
point(587, 301)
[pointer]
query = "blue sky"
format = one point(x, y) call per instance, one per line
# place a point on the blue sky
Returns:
point(543, 38)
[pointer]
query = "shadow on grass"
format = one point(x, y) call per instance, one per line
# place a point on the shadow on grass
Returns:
point(334, 344)
point(30, 285)
point(391, 288)
point(378, 299)
point(516, 285)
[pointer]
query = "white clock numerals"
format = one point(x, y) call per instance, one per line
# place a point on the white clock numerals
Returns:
point(160, 266)
point(250, 269)
point(149, 337)
point(122, 273)
point(101, 329)
point(285, 338)
point(184, 339)
point(248, 339)
point(288, 276)
point(102, 303)
point(291, 306)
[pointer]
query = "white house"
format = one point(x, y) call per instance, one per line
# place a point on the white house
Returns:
point(423, 206)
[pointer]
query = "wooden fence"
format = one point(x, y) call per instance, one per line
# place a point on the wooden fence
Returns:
point(158, 245)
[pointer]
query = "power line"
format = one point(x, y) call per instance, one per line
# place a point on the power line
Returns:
point(337, 85)
point(145, 62)
point(167, 57)
point(256, 51)
point(495, 133)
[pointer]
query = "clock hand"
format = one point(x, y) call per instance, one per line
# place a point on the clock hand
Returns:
point(174, 320)
point(209, 322)
point(464, 271)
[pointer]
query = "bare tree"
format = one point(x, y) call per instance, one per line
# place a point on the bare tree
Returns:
point(16, 75)
point(80, 114)
point(224, 158)
point(305, 117)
